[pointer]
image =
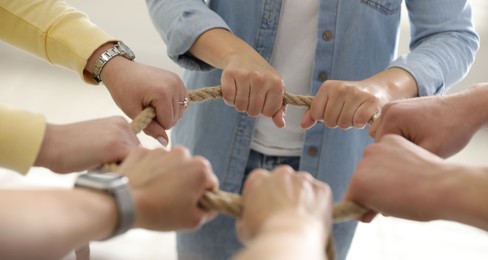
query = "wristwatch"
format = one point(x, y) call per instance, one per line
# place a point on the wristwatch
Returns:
point(119, 49)
point(117, 186)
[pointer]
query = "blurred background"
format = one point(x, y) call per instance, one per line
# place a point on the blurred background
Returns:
point(32, 84)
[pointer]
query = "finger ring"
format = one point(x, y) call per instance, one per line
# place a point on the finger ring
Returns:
point(184, 102)
point(375, 117)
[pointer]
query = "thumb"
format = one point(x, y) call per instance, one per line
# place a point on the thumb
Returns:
point(157, 131)
point(307, 121)
point(279, 117)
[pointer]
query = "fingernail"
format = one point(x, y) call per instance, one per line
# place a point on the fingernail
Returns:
point(162, 141)
point(360, 126)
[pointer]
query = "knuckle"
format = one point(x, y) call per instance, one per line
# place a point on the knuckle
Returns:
point(330, 124)
point(200, 162)
point(173, 80)
point(344, 121)
point(239, 74)
point(306, 176)
point(361, 118)
point(258, 78)
point(285, 169)
point(316, 114)
point(180, 151)
point(343, 124)
point(391, 138)
point(119, 121)
point(228, 96)
point(268, 113)
point(253, 113)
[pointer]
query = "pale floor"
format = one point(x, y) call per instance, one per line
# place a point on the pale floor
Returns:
point(26, 82)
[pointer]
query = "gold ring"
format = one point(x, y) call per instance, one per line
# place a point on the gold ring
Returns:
point(375, 117)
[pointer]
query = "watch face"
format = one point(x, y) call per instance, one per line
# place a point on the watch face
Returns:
point(102, 181)
point(104, 176)
point(129, 53)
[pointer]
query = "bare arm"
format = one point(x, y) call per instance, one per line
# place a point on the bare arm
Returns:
point(287, 215)
point(443, 125)
point(464, 193)
point(50, 223)
point(398, 178)
point(287, 236)
point(94, 142)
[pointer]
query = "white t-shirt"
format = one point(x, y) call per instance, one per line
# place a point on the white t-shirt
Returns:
point(293, 57)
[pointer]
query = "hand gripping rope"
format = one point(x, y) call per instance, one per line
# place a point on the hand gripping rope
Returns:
point(230, 203)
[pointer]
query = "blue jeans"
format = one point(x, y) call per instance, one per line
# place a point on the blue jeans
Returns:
point(259, 160)
point(216, 240)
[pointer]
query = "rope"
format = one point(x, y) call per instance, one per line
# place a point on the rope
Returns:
point(230, 203)
point(208, 93)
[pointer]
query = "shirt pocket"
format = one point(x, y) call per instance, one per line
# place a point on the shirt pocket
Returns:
point(387, 7)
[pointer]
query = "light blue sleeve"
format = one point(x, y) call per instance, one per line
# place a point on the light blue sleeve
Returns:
point(180, 23)
point(443, 44)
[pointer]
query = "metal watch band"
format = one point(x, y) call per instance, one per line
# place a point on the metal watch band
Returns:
point(126, 210)
point(119, 49)
point(117, 186)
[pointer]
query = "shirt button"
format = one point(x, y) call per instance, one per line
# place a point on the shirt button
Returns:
point(327, 36)
point(312, 151)
point(323, 76)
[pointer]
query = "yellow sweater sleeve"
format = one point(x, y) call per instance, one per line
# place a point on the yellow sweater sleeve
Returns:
point(21, 135)
point(52, 30)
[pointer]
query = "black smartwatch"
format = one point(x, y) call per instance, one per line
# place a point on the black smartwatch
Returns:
point(118, 187)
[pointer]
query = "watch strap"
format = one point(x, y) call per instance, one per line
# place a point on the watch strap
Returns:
point(119, 49)
point(126, 210)
point(118, 187)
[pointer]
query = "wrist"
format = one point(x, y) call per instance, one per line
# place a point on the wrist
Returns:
point(218, 47)
point(117, 187)
point(102, 209)
point(451, 191)
point(96, 54)
point(460, 194)
point(477, 96)
point(398, 83)
point(106, 54)
point(295, 223)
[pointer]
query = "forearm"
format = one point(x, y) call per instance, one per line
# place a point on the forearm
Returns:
point(51, 223)
point(398, 82)
point(180, 23)
point(470, 103)
point(463, 194)
point(112, 68)
point(45, 28)
point(217, 47)
point(443, 46)
point(287, 237)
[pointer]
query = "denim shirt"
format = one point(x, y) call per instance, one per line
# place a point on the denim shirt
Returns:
point(355, 40)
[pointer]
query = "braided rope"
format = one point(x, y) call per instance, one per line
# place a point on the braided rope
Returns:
point(231, 203)
point(208, 93)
